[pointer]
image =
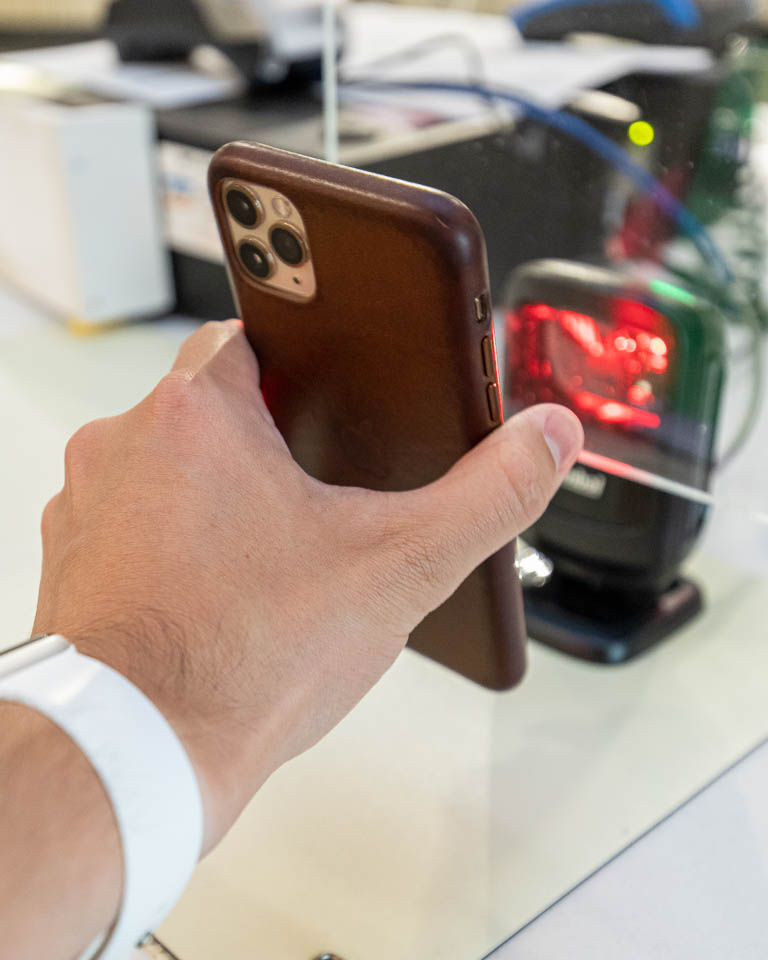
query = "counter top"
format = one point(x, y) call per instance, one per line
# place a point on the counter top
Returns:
point(438, 818)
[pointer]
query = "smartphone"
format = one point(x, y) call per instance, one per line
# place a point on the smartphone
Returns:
point(366, 301)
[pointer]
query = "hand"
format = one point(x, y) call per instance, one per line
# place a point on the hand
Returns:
point(253, 604)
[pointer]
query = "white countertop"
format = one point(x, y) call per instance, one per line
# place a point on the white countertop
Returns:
point(438, 818)
point(695, 886)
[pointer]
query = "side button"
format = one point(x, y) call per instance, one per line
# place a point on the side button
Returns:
point(494, 404)
point(489, 366)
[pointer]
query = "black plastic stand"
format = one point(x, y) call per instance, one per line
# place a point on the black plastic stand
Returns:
point(604, 626)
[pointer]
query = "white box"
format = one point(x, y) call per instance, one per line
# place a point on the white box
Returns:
point(80, 224)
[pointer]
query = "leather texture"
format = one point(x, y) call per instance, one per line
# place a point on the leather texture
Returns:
point(378, 381)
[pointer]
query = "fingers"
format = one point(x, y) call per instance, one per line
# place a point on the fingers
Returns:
point(221, 351)
point(205, 344)
point(219, 355)
point(494, 493)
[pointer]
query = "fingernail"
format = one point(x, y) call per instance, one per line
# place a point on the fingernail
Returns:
point(564, 436)
point(562, 432)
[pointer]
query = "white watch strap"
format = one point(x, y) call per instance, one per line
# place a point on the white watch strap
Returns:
point(145, 770)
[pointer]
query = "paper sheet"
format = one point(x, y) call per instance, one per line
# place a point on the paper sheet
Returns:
point(470, 47)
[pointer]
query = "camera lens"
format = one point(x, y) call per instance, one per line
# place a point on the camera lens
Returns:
point(242, 208)
point(287, 245)
point(255, 260)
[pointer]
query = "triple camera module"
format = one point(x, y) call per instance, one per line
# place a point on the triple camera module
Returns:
point(270, 239)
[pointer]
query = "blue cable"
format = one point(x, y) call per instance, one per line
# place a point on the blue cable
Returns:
point(683, 14)
point(602, 146)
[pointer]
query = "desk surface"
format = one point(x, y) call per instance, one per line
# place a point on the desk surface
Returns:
point(695, 886)
point(437, 818)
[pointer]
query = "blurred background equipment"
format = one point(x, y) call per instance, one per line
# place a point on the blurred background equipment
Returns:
point(80, 230)
point(269, 41)
point(33, 23)
point(636, 156)
point(563, 199)
point(705, 23)
point(642, 363)
point(48, 14)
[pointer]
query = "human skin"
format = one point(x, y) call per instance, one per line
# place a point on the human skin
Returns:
point(253, 604)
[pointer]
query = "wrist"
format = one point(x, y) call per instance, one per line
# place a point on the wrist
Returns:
point(225, 759)
point(143, 767)
point(71, 828)
point(159, 679)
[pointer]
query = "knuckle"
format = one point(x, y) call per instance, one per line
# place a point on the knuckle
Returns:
point(207, 341)
point(81, 447)
point(176, 397)
point(209, 328)
point(50, 516)
point(527, 485)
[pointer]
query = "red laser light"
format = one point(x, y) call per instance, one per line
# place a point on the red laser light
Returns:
point(613, 367)
point(611, 411)
point(541, 311)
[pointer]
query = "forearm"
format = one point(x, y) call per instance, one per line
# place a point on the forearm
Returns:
point(60, 852)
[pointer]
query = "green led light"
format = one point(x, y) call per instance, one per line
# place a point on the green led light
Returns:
point(674, 292)
point(641, 133)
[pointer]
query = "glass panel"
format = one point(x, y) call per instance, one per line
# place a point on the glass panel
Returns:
point(621, 187)
point(621, 191)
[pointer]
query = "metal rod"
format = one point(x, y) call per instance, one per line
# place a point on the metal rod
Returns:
point(330, 84)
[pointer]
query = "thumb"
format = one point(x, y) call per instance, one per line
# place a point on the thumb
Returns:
point(492, 494)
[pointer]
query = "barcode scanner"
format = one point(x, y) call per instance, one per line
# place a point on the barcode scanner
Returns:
point(699, 23)
point(642, 363)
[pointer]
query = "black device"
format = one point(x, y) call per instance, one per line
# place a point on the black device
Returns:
point(272, 45)
point(699, 23)
point(642, 364)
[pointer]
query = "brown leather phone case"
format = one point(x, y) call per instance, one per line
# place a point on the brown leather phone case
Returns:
point(380, 381)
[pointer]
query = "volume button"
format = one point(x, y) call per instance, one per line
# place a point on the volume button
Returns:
point(489, 361)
